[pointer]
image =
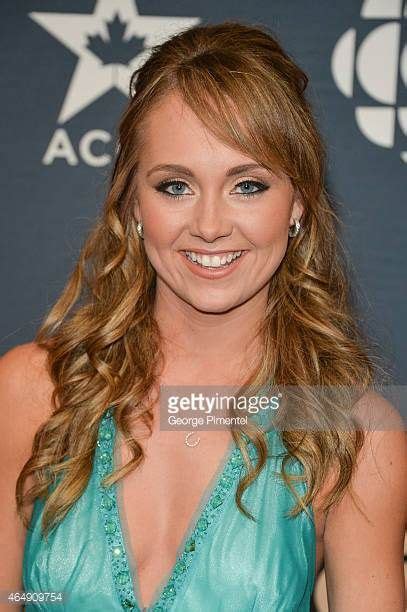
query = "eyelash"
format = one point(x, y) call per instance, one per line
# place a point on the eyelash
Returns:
point(161, 188)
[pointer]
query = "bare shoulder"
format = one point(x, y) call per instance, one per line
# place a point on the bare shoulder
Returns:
point(25, 403)
point(363, 551)
point(25, 388)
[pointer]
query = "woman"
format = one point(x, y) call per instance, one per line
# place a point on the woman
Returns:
point(215, 262)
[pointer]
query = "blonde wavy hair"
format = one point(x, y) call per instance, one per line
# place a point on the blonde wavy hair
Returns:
point(102, 341)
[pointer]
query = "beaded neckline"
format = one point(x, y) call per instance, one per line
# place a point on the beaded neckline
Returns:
point(114, 533)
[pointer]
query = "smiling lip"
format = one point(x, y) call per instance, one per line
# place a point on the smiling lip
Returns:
point(212, 273)
point(205, 252)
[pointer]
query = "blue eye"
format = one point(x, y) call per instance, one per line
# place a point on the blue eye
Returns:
point(259, 187)
point(179, 186)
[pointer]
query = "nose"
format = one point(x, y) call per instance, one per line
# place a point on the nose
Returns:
point(211, 218)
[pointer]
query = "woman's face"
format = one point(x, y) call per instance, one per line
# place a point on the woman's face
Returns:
point(195, 198)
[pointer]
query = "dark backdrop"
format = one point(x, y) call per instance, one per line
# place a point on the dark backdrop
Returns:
point(65, 69)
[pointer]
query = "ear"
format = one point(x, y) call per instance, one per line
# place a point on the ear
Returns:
point(297, 208)
point(136, 211)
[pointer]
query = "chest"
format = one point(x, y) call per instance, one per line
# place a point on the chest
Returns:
point(160, 502)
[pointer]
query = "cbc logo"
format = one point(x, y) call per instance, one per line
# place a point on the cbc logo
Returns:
point(380, 67)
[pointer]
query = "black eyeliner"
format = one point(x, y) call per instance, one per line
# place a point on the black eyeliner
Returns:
point(261, 187)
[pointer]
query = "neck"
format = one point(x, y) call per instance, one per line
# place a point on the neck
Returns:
point(220, 341)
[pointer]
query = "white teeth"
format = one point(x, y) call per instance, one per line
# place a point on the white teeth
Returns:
point(213, 261)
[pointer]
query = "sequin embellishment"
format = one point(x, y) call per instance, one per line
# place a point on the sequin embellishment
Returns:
point(113, 531)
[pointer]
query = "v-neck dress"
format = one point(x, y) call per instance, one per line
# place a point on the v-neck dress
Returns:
point(226, 562)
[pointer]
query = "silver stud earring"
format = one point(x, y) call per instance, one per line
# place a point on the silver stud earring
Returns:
point(294, 232)
point(140, 229)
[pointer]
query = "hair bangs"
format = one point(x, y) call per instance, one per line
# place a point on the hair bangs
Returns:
point(227, 103)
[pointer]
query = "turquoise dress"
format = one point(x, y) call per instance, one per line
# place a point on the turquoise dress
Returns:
point(226, 562)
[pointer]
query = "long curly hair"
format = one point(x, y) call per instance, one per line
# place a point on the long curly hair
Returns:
point(103, 344)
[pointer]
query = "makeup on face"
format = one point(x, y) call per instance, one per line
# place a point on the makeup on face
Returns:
point(215, 220)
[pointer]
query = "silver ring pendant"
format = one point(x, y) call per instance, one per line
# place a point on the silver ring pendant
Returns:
point(191, 433)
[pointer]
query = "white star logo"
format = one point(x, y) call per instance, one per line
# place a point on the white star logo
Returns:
point(111, 43)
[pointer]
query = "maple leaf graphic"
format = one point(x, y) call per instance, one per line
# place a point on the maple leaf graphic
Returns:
point(116, 50)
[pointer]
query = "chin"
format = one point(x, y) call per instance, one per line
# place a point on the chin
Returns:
point(212, 306)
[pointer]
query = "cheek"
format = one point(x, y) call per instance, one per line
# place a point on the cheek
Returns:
point(160, 224)
point(271, 230)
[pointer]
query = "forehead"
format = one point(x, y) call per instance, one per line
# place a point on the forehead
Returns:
point(171, 130)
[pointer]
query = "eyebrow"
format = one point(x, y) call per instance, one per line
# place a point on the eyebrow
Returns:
point(187, 172)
